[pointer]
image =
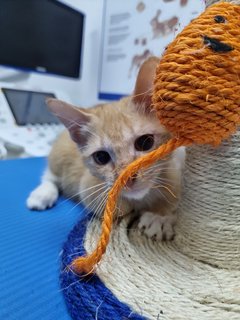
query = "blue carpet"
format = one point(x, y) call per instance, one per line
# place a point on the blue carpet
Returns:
point(30, 246)
point(33, 256)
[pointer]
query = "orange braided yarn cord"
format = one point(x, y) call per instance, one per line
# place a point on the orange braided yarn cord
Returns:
point(86, 264)
point(196, 96)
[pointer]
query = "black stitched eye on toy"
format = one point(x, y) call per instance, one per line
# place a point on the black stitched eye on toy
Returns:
point(219, 19)
point(144, 143)
point(101, 157)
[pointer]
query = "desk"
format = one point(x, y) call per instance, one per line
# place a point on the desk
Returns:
point(30, 246)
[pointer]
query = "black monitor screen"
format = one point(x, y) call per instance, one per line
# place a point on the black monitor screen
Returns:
point(29, 107)
point(41, 35)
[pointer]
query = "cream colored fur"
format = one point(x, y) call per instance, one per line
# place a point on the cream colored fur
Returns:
point(113, 127)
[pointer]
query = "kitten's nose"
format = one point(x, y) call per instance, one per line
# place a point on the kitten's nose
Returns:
point(131, 181)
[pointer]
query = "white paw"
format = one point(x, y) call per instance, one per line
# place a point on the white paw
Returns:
point(43, 197)
point(157, 227)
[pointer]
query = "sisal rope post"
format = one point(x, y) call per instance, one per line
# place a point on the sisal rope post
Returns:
point(196, 96)
point(208, 227)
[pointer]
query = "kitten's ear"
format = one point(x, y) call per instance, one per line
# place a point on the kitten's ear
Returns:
point(74, 119)
point(142, 95)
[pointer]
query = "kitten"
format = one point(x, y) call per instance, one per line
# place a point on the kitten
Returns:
point(101, 141)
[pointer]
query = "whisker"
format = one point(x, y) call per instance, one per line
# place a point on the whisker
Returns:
point(160, 166)
point(98, 210)
point(165, 187)
point(170, 191)
point(82, 191)
point(150, 175)
point(92, 207)
point(97, 206)
point(84, 199)
point(157, 184)
point(164, 182)
point(163, 195)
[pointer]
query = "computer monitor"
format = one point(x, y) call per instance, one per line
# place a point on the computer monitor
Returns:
point(41, 35)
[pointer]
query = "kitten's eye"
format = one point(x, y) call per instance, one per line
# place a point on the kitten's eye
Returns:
point(144, 143)
point(101, 157)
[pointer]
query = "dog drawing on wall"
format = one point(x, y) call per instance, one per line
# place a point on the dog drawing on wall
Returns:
point(163, 28)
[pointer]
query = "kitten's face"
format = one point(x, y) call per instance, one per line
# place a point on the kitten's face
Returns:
point(117, 134)
point(113, 135)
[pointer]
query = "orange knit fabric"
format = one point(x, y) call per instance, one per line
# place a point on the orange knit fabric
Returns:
point(196, 95)
point(196, 88)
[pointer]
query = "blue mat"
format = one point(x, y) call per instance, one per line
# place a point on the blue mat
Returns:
point(31, 245)
point(33, 256)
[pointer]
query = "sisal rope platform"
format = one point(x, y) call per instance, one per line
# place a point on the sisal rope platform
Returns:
point(196, 276)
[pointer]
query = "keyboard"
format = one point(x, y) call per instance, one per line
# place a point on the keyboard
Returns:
point(34, 140)
point(18, 108)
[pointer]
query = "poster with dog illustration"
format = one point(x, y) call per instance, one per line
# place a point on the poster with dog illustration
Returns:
point(133, 31)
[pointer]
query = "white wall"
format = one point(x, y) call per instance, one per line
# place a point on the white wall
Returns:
point(84, 91)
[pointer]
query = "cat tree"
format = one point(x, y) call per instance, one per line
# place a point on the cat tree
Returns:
point(196, 96)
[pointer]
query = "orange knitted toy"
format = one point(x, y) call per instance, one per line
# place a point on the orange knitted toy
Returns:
point(196, 96)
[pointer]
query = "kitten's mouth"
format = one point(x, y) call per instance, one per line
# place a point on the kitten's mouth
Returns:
point(135, 191)
point(135, 194)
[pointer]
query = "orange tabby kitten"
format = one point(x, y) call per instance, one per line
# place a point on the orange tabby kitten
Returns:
point(99, 143)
